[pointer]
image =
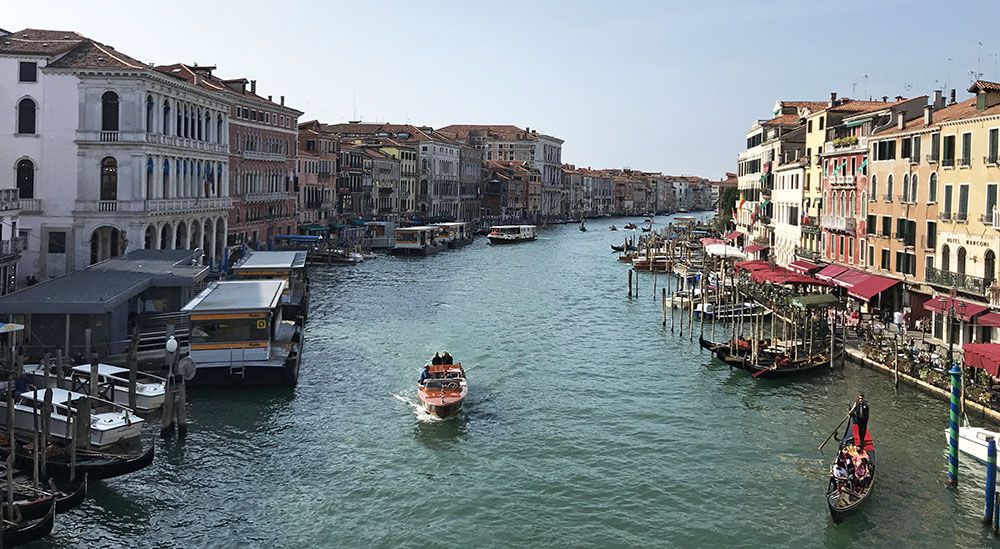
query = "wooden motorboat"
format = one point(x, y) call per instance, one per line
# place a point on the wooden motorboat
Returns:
point(20, 532)
point(95, 465)
point(843, 497)
point(443, 389)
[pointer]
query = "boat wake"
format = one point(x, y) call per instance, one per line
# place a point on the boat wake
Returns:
point(422, 415)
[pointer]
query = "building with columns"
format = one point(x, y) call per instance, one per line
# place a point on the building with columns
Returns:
point(108, 154)
point(263, 137)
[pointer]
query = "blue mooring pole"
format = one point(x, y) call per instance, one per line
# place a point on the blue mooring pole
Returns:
point(991, 480)
point(956, 396)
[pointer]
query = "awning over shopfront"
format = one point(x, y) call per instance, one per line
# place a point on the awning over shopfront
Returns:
point(780, 275)
point(989, 319)
point(724, 250)
point(964, 310)
point(983, 355)
point(754, 248)
point(733, 235)
point(849, 278)
point(871, 286)
point(830, 271)
point(752, 265)
point(707, 241)
point(803, 267)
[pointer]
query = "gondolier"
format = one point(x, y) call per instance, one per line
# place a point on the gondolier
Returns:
point(860, 415)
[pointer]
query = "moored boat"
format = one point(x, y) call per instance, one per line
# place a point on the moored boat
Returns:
point(112, 381)
point(34, 503)
point(847, 490)
point(972, 440)
point(511, 234)
point(442, 389)
point(110, 423)
point(20, 532)
point(92, 464)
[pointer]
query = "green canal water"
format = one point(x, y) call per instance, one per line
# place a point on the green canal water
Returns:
point(588, 425)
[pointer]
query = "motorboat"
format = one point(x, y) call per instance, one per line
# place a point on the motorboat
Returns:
point(110, 423)
point(973, 440)
point(443, 389)
point(612, 228)
point(511, 234)
point(583, 227)
point(112, 383)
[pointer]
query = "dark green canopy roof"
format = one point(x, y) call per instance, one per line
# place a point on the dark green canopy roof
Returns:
point(815, 301)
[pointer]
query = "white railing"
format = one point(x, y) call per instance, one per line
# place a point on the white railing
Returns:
point(838, 223)
point(189, 204)
point(265, 197)
point(107, 205)
point(31, 205)
point(848, 179)
point(109, 137)
point(257, 155)
point(996, 218)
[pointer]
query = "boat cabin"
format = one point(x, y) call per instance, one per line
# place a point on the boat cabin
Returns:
point(290, 267)
point(239, 335)
point(381, 235)
point(455, 233)
point(503, 234)
point(112, 382)
point(421, 240)
point(109, 423)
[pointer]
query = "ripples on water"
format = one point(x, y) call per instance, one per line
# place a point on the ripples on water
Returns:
point(587, 424)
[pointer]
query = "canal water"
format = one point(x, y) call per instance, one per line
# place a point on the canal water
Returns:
point(588, 425)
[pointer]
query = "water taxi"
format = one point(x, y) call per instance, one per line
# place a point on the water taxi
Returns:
point(442, 389)
point(110, 423)
point(421, 240)
point(455, 234)
point(289, 267)
point(511, 234)
point(112, 383)
point(239, 336)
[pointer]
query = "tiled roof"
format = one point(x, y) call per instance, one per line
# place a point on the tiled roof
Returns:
point(93, 55)
point(959, 111)
point(783, 120)
point(208, 81)
point(415, 133)
point(984, 85)
point(857, 107)
point(40, 42)
point(807, 104)
point(497, 131)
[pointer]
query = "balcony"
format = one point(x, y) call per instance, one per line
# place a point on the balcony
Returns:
point(175, 205)
point(109, 137)
point(931, 158)
point(807, 254)
point(839, 223)
point(964, 162)
point(947, 162)
point(966, 283)
point(269, 157)
point(991, 160)
point(265, 197)
point(961, 217)
point(31, 205)
point(944, 216)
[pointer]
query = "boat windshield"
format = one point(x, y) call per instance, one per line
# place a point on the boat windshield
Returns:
point(228, 330)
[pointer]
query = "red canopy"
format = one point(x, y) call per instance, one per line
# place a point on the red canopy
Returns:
point(871, 286)
point(752, 265)
point(983, 355)
point(830, 271)
point(779, 275)
point(850, 278)
point(733, 235)
point(990, 319)
point(803, 267)
point(755, 248)
point(708, 241)
point(964, 310)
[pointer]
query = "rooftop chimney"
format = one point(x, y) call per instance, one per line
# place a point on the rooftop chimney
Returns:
point(929, 114)
point(901, 119)
point(282, 100)
point(885, 98)
point(952, 102)
point(899, 98)
point(938, 99)
point(253, 86)
point(269, 98)
point(797, 153)
point(833, 99)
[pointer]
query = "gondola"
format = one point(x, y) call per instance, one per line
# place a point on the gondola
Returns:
point(778, 368)
point(617, 248)
point(95, 465)
point(34, 503)
point(843, 501)
point(26, 530)
point(647, 229)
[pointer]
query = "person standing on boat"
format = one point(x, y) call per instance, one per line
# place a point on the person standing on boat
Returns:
point(446, 358)
point(425, 374)
point(437, 359)
point(860, 415)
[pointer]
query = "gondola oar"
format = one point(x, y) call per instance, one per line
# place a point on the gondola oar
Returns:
point(837, 428)
point(764, 371)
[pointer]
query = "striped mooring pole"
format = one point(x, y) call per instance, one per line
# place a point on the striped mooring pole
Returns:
point(991, 480)
point(956, 397)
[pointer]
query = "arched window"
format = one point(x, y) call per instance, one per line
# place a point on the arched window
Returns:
point(888, 188)
point(179, 119)
point(945, 258)
point(913, 189)
point(187, 123)
point(109, 112)
point(149, 113)
point(109, 179)
point(843, 203)
point(960, 264)
point(989, 267)
point(207, 125)
point(150, 167)
point(26, 116)
point(166, 117)
point(906, 188)
point(25, 178)
point(850, 205)
point(864, 205)
point(873, 187)
point(932, 189)
point(218, 129)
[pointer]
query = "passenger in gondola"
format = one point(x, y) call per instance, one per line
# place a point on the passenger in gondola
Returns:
point(437, 359)
point(446, 358)
point(860, 414)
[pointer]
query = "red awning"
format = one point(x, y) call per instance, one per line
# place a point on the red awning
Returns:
point(850, 278)
point(708, 241)
point(780, 275)
point(871, 287)
point(989, 319)
point(755, 248)
point(830, 271)
point(752, 265)
point(803, 267)
point(983, 355)
point(964, 310)
point(733, 235)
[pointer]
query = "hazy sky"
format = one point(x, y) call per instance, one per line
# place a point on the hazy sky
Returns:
point(660, 86)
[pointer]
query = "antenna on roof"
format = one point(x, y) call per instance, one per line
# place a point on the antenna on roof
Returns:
point(355, 117)
point(866, 88)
